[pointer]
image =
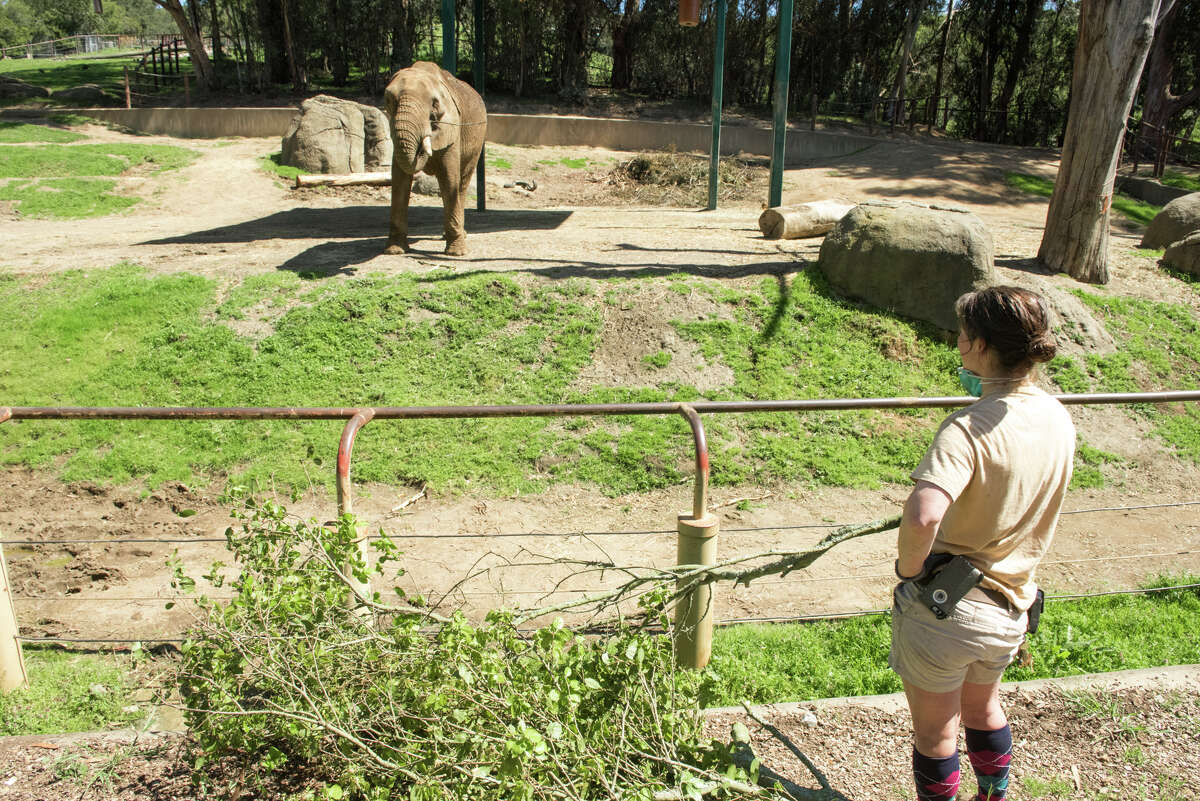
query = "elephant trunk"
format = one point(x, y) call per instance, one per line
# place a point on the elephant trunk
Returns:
point(411, 137)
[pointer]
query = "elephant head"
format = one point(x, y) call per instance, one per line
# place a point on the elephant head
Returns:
point(423, 114)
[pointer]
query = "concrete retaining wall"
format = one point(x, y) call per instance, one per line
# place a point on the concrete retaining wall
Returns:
point(1148, 190)
point(507, 129)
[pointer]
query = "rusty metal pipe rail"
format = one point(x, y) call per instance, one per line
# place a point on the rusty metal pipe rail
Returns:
point(357, 417)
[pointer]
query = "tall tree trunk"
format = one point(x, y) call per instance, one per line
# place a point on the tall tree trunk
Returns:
point(295, 67)
point(192, 40)
point(216, 31)
point(937, 84)
point(404, 31)
point(624, 40)
point(1159, 105)
point(1114, 38)
point(270, 23)
point(572, 80)
point(1016, 64)
point(910, 35)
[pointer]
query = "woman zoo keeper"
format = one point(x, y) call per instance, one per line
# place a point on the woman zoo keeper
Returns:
point(989, 489)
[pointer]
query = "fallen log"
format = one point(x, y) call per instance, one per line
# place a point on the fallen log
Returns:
point(350, 179)
point(815, 218)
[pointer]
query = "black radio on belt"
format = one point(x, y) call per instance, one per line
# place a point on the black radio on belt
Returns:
point(944, 580)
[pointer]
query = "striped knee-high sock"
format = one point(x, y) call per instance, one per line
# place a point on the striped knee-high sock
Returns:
point(937, 779)
point(991, 753)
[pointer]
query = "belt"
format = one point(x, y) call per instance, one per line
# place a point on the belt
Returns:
point(990, 596)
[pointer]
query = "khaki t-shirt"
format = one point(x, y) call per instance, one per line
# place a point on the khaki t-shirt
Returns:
point(1006, 461)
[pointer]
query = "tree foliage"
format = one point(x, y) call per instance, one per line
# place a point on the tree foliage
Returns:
point(381, 699)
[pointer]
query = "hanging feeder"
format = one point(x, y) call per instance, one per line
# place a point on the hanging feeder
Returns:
point(689, 13)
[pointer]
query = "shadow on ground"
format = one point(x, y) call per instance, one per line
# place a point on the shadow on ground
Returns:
point(352, 222)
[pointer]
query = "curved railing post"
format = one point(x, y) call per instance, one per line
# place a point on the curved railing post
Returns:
point(697, 545)
point(12, 664)
point(345, 494)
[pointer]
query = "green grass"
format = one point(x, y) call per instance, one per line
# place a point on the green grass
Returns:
point(272, 163)
point(575, 163)
point(1181, 181)
point(1136, 210)
point(659, 360)
point(1160, 350)
point(796, 662)
point(65, 198)
point(56, 74)
point(1088, 464)
point(57, 161)
point(500, 163)
point(13, 132)
point(60, 698)
point(123, 337)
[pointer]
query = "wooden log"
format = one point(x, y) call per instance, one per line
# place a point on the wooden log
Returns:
point(815, 218)
point(350, 179)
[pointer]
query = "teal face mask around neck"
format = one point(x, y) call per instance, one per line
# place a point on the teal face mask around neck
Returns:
point(972, 383)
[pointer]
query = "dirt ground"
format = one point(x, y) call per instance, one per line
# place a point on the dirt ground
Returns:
point(226, 218)
point(1116, 737)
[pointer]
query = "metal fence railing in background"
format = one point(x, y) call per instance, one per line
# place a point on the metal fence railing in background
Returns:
point(72, 46)
point(697, 531)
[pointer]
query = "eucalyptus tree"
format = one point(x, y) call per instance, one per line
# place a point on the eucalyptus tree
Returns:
point(1114, 39)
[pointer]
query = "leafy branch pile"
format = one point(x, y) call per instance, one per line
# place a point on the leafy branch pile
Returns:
point(384, 700)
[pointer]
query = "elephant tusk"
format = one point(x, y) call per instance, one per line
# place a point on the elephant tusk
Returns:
point(427, 146)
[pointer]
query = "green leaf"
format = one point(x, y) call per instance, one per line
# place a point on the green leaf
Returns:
point(591, 683)
point(334, 791)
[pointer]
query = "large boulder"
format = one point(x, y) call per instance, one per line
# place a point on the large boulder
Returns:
point(1177, 219)
point(909, 259)
point(16, 89)
point(88, 93)
point(331, 135)
point(1184, 255)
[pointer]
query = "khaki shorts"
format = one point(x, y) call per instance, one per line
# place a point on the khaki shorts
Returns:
point(975, 643)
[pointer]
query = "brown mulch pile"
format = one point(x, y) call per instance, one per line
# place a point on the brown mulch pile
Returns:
point(1099, 745)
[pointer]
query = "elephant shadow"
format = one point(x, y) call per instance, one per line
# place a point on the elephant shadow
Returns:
point(363, 222)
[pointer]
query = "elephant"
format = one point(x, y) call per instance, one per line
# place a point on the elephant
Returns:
point(437, 124)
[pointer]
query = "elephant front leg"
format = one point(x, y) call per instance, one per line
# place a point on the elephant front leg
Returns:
point(398, 225)
point(454, 230)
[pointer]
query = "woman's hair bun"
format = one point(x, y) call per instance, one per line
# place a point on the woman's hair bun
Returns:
point(1042, 348)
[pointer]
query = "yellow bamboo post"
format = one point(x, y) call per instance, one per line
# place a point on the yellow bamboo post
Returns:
point(12, 664)
point(694, 610)
point(128, 98)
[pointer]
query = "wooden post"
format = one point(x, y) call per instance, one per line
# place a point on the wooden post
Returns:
point(128, 96)
point(12, 665)
point(694, 611)
point(813, 126)
point(187, 91)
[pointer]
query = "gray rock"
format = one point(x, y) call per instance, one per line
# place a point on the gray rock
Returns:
point(1177, 219)
point(377, 140)
point(87, 93)
point(16, 89)
point(98, 690)
point(909, 259)
point(335, 136)
point(424, 184)
point(1184, 255)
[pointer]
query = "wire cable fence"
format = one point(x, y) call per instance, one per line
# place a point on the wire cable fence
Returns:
point(358, 417)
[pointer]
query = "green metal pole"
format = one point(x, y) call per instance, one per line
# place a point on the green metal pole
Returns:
point(480, 76)
point(783, 67)
point(449, 43)
point(718, 93)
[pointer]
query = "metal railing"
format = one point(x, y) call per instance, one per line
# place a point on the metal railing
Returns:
point(697, 531)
